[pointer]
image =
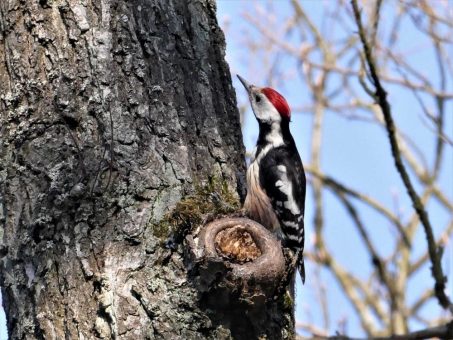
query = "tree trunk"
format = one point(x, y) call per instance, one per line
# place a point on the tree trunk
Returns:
point(112, 112)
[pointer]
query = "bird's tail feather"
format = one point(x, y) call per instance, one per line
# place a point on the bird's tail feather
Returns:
point(301, 268)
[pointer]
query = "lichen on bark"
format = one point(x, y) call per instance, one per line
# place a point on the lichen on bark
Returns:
point(110, 112)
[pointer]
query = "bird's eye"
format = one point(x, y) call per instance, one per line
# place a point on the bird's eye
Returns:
point(257, 98)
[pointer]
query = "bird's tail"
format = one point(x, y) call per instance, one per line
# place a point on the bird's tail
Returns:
point(301, 267)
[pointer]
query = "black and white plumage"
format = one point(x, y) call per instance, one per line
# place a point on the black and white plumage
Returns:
point(275, 178)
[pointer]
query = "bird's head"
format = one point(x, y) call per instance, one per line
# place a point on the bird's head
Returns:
point(268, 105)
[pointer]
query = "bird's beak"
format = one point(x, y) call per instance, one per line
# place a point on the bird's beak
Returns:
point(246, 84)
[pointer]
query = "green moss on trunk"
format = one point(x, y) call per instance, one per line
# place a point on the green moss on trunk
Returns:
point(212, 198)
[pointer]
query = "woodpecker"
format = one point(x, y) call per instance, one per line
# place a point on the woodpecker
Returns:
point(276, 181)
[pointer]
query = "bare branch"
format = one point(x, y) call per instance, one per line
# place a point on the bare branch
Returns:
point(330, 62)
point(381, 95)
point(387, 78)
point(443, 239)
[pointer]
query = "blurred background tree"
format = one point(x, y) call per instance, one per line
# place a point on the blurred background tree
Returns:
point(368, 270)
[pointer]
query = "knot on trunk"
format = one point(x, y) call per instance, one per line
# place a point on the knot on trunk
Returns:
point(237, 245)
point(238, 252)
point(240, 271)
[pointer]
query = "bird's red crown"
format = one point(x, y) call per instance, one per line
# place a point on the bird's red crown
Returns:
point(278, 101)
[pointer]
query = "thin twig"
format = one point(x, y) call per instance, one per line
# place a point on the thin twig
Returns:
point(336, 185)
point(441, 332)
point(381, 98)
point(377, 261)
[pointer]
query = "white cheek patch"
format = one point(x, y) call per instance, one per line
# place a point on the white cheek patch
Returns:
point(266, 111)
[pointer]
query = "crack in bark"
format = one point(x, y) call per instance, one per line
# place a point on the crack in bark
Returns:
point(75, 185)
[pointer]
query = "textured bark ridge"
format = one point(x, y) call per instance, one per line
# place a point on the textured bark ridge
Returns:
point(112, 112)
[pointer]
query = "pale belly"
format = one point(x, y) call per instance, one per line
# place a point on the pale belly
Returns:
point(257, 203)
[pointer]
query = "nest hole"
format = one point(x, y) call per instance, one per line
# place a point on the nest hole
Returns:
point(237, 245)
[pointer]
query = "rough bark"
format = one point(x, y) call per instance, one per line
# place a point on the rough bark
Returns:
point(112, 111)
